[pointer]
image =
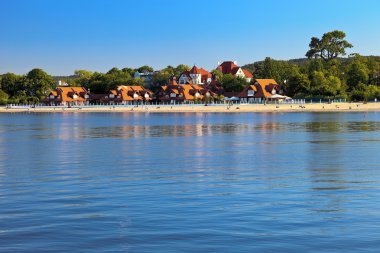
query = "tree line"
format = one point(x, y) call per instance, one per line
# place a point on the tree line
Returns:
point(324, 74)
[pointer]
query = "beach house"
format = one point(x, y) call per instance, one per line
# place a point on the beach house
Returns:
point(67, 96)
point(176, 93)
point(129, 95)
point(195, 76)
point(231, 67)
point(260, 90)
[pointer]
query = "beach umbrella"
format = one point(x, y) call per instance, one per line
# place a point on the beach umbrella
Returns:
point(234, 98)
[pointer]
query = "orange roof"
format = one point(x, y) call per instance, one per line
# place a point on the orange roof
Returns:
point(253, 87)
point(67, 93)
point(186, 91)
point(262, 85)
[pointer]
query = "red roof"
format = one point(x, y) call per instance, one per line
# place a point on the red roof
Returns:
point(195, 70)
point(247, 73)
point(227, 67)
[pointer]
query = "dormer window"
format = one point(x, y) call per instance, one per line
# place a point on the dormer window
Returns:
point(52, 96)
point(75, 96)
point(112, 95)
point(251, 93)
point(273, 91)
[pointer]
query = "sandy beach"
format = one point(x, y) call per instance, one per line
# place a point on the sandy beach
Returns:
point(316, 107)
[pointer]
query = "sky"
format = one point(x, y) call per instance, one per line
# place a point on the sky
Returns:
point(61, 36)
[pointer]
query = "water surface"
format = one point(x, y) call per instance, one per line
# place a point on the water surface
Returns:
point(189, 182)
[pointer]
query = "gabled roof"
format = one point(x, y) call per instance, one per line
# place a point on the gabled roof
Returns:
point(67, 93)
point(194, 70)
point(227, 67)
point(247, 73)
point(264, 87)
point(133, 92)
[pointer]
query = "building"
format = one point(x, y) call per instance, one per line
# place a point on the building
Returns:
point(230, 67)
point(68, 96)
point(176, 93)
point(147, 76)
point(260, 90)
point(195, 76)
point(129, 95)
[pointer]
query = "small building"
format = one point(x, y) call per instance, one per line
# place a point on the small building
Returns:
point(129, 95)
point(230, 67)
point(68, 96)
point(146, 76)
point(175, 93)
point(260, 90)
point(195, 76)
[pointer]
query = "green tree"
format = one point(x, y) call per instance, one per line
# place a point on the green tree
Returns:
point(217, 73)
point(360, 92)
point(298, 85)
point(357, 73)
point(180, 69)
point(3, 98)
point(144, 69)
point(330, 46)
point(10, 83)
point(38, 83)
point(136, 82)
point(326, 87)
point(232, 83)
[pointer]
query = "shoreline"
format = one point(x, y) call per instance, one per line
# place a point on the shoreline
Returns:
point(275, 108)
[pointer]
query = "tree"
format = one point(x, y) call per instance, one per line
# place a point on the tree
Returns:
point(298, 85)
point(232, 83)
point(330, 46)
point(144, 69)
point(10, 83)
point(322, 86)
point(357, 73)
point(180, 69)
point(218, 74)
point(38, 83)
point(83, 78)
point(3, 98)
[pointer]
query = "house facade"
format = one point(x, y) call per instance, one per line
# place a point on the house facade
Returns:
point(68, 96)
point(129, 95)
point(230, 67)
point(260, 90)
point(176, 93)
point(195, 76)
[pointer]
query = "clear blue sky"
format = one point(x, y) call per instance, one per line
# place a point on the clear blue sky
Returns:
point(60, 36)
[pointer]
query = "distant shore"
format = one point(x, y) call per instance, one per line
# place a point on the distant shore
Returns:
point(315, 107)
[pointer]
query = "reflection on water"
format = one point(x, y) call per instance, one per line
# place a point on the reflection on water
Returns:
point(247, 182)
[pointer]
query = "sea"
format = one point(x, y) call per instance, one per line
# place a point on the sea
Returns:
point(190, 182)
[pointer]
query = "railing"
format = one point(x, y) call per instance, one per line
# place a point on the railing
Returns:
point(198, 103)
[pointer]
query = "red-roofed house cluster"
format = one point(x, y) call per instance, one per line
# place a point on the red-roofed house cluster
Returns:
point(195, 85)
point(230, 67)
